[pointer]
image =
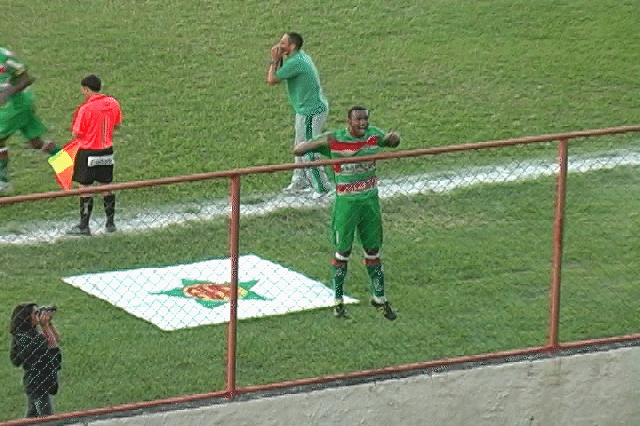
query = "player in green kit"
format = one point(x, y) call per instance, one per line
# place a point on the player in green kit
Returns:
point(293, 66)
point(356, 209)
point(17, 112)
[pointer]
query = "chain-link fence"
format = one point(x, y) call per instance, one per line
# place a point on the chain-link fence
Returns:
point(471, 235)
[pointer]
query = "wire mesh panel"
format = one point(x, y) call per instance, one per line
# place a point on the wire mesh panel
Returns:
point(465, 259)
point(600, 269)
point(141, 311)
point(144, 311)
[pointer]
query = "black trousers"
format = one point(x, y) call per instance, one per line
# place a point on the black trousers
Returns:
point(39, 405)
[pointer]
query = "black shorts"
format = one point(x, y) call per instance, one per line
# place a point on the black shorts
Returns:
point(93, 165)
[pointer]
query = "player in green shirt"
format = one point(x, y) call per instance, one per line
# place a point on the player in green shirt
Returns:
point(289, 63)
point(17, 112)
point(356, 208)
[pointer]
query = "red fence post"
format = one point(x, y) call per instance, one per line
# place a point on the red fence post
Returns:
point(558, 231)
point(232, 330)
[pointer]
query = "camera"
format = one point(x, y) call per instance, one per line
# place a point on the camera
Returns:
point(46, 310)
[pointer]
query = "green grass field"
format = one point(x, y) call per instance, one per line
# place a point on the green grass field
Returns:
point(190, 74)
point(468, 270)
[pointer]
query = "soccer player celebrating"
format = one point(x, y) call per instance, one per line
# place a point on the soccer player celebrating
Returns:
point(356, 206)
point(17, 112)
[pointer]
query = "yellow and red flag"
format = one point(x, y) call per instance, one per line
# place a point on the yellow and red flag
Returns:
point(62, 164)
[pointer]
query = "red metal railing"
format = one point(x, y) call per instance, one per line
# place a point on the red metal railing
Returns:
point(558, 232)
point(235, 176)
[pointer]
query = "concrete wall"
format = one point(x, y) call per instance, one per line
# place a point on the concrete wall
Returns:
point(600, 388)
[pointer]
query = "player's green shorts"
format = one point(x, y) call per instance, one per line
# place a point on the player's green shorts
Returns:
point(24, 121)
point(359, 216)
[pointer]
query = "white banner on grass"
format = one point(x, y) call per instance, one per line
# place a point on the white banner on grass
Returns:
point(182, 296)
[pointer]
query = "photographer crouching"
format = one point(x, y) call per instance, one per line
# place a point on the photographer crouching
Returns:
point(34, 346)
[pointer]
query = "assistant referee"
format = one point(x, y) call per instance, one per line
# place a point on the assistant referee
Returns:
point(93, 124)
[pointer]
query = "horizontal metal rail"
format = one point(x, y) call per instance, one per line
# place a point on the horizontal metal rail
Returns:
point(290, 166)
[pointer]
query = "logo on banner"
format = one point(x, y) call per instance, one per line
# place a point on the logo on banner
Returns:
point(210, 294)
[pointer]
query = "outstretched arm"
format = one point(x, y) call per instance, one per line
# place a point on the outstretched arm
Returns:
point(303, 147)
point(23, 81)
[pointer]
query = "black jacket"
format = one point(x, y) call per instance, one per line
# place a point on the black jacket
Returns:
point(41, 363)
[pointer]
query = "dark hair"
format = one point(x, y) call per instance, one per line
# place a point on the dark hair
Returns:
point(296, 39)
point(21, 318)
point(92, 82)
point(356, 108)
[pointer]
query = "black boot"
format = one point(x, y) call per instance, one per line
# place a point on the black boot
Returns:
point(86, 207)
point(110, 211)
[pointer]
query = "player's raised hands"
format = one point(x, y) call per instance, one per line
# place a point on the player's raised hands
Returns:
point(276, 52)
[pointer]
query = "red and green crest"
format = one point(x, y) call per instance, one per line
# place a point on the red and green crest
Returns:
point(210, 294)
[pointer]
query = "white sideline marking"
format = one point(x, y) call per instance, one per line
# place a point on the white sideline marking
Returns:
point(51, 231)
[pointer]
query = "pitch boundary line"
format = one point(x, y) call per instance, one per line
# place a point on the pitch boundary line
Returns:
point(434, 182)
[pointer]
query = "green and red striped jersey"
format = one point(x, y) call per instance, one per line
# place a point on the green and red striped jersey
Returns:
point(354, 179)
